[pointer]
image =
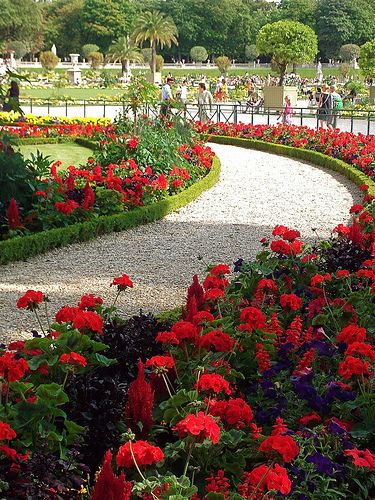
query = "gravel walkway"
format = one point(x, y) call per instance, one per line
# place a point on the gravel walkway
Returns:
point(257, 191)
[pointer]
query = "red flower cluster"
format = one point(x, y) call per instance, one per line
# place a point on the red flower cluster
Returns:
point(263, 358)
point(290, 301)
point(166, 362)
point(6, 432)
point(253, 317)
point(122, 282)
point(285, 446)
point(235, 412)
point(143, 452)
point(89, 301)
point(262, 479)
point(139, 404)
point(73, 358)
point(213, 382)
point(200, 426)
point(218, 484)
point(30, 300)
point(12, 367)
point(361, 458)
point(216, 340)
point(110, 486)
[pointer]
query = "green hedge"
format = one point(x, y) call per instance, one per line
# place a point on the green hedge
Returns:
point(314, 157)
point(22, 247)
point(56, 140)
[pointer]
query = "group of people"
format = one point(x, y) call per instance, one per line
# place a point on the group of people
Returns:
point(329, 107)
point(205, 99)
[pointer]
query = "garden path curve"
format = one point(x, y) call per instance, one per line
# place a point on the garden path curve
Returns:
point(257, 190)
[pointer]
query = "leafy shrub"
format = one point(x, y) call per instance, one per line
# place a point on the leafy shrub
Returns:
point(88, 49)
point(223, 63)
point(198, 54)
point(96, 59)
point(108, 201)
point(49, 60)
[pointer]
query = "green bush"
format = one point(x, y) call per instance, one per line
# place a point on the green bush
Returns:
point(49, 60)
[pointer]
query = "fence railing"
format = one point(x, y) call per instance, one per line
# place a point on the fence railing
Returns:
point(352, 120)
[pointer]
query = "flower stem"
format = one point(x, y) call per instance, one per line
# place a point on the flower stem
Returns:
point(261, 481)
point(117, 296)
point(47, 317)
point(40, 323)
point(166, 385)
point(188, 458)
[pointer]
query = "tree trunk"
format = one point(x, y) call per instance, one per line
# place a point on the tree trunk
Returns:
point(123, 67)
point(153, 59)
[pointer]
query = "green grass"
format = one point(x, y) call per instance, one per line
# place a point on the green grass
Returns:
point(69, 153)
point(39, 93)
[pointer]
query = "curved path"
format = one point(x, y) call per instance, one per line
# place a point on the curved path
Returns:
point(257, 191)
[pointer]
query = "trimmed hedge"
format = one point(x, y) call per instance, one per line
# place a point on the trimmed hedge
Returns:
point(22, 247)
point(56, 140)
point(314, 157)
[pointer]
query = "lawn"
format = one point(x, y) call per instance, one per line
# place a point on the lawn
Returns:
point(68, 153)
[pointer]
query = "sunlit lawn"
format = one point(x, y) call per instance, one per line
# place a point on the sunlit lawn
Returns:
point(68, 153)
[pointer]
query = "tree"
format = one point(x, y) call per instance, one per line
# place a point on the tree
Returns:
point(367, 59)
point(96, 59)
point(159, 63)
point(303, 11)
point(251, 52)
point(341, 22)
point(125, 52)
point(20, 48)
point(223, 63)
point(49, 60)
point(158, 29)
point(349, 52)
point(198, 54)
point(88, 49)
point(105, 21)
point(288, 42)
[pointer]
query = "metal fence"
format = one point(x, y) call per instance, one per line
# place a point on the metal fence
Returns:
point(236, 112)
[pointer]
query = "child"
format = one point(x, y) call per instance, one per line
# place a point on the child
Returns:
point(287, 112)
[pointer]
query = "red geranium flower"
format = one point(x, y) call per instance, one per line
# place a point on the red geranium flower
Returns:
point(216, 340)
point(262, 478)
point(123, 282)
point(212, 382)
point(30, 300)
point(352, 366)
point(88, 320)
point(12, 367)
point(144, 454)
point(351, 333)
point(220, 270)
point(284, 445)
point(161, 362)
point(312, 417)
point(253, 317)
point(202, 426)
point(73, 358)
point(362, 458)
point(89, 301)
point(290, 301)
point(6, 432)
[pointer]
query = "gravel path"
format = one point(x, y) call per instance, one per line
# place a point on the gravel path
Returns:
point(257, 191)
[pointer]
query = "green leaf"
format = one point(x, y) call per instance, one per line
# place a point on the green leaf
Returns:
point(52, 392)
point(73, 428)
point(104, 361)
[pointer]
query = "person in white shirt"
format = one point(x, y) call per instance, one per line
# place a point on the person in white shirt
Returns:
point(166, 98)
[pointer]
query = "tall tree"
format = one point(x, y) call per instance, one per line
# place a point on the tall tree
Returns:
point(343, 21)
point(156, 28)
point(125, 51)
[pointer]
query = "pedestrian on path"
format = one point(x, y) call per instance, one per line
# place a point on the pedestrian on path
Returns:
point(205, 101)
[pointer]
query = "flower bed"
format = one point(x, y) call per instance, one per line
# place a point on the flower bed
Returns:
point(355, 149)
point(126, 171)
point(11, 117)
point(265, 387)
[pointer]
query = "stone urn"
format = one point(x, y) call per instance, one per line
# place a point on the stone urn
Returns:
point(274, 96)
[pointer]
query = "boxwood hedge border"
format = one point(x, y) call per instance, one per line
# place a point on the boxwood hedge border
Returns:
point(314, 157)
point(23, 247)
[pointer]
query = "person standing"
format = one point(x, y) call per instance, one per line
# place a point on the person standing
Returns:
point(336, 106)
point(182, 92)
point(205, 101)
point(166, 98)
point(324, 107)
point(286, 114)
point(13, 97)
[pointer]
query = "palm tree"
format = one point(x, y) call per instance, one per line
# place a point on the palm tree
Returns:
point(158, 29)
point(124, 51)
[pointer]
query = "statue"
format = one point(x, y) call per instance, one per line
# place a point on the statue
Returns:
point(319, 72)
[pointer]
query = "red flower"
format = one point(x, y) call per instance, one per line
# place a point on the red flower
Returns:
point(351, 333)
point(13, 215)
point(133, 143)
point(184, 330)
point(140, 402)
point(263, 358)
point(12, 367)
point(213, 382)
point(143, 452)
point(213, 294)
point(161, 362)
point(66, 207)
point(235, 412)
point(220, 270)
point(202, 426)
point(109, 486)
point(6, 432)
point(30, 300)
point(216, 340)
point(317, 279)
point(362, 349)
point(73, 358)
point(290, 301)
point(253, 317)
point(218, 484)
point(167, 338)
point(89, 197)
point(88, 320)
point(284, 445)
point(202, 317)
point(312, 417)
point(89, 301)
point(123, 282)
point(356, 209)
point(362, 458)
point(262, 478)
point(352, 366)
